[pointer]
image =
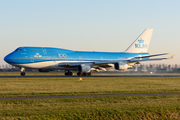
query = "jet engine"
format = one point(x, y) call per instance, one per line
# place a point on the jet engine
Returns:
point(84, 68)
point(43, 70)
point(121, 66)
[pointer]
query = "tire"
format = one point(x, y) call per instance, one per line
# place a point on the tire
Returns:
point(89, 74)
point(86, 74)
point(23, 73)
point(70, 73)
point(79, 74)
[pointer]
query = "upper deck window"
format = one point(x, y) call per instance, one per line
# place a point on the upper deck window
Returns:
point(18, 49)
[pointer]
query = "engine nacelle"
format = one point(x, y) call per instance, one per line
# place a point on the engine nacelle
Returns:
point(84, 68)
point(43, 70)
point(121, 66)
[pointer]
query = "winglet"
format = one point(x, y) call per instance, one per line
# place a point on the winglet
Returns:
point(171, 57)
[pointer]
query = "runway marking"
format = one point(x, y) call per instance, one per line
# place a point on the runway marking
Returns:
point(75, 96)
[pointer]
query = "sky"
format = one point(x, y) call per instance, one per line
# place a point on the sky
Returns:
point(90, 25)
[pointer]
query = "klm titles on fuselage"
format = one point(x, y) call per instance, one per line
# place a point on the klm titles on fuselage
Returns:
point(61, 55)
point(140, 44)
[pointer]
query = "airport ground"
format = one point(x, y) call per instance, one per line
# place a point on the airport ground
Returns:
point(112, 107)
point(113, 73)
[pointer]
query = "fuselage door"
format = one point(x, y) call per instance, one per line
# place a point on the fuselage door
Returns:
point(80, 58)
point(101, 58)
point(32, 58)
point(54, 58)
point(44, 51)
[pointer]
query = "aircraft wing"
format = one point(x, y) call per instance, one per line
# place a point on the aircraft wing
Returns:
point(99, 63)
point(80, 63)
point(73, 63)
point(139, 60)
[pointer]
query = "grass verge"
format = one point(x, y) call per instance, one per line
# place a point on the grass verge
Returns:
point(89, 85)
point(137, 107)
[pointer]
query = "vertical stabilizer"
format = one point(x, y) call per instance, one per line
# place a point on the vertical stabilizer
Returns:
point(141, 44)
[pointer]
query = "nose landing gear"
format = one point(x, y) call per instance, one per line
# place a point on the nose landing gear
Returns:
point(23, 73)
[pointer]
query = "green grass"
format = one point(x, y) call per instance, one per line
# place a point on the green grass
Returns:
point(105, 108)
point(89, 85)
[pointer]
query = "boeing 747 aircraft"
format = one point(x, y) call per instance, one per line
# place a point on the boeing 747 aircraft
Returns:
point(47, 59)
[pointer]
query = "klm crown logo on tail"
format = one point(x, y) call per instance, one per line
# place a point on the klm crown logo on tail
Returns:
point(141, 41)
point(140, 44)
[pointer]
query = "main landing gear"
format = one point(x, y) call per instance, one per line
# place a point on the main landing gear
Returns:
point(23, 73)
point(83, 74)
point(68, 73)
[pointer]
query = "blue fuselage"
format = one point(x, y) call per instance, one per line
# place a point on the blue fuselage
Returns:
point(30, 55)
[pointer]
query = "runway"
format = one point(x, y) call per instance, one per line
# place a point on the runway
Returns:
point(77, 96)
point(48, 76)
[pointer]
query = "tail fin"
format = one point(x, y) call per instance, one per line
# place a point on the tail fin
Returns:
point(141, 44)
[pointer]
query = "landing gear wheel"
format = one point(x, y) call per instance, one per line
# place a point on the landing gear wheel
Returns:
point(23, 73)
point(85, 74)
point(68, 73)
point(89, 74)
point(79, 74)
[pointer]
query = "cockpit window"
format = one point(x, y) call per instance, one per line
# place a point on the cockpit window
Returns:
point(18, 49)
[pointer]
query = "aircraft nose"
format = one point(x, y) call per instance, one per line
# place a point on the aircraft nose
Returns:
point(7, 58)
